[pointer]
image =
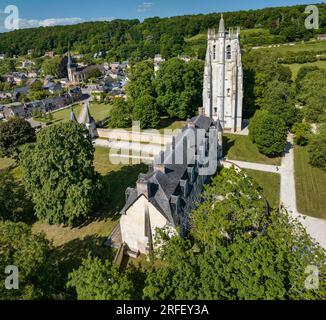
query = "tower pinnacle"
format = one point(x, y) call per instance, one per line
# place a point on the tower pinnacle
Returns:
point(222, 25)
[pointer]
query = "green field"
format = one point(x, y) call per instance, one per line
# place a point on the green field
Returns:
point(271, 184)
point(98, 111)
point(310, 186)
point(241, 148)
point(295, 67)
point(312, 45)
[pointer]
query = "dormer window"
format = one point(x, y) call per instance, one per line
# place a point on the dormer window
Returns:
point(228, 52)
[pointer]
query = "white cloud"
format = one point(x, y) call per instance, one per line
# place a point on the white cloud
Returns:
point(33, 23)
point(145, 7)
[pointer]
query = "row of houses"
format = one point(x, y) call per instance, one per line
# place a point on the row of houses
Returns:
point(25, 110)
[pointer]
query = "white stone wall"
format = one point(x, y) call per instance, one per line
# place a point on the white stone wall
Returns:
point(133, 225)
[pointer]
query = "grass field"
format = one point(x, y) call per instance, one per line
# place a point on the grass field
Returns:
point(98, 111)
point(271, 184)
point(241, 148)
point(310, 186)
point(312, 45)
point(295, 67)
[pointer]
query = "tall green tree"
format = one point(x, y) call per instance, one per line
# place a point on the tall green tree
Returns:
point(317, 149)
point(121, 114)
point(97, 280)
point(58, 172)
point(15, 204)
point(13, 134)
point(312, 96)
point(179, 88)
point(279, 99)
point(30, 253)
point(140, 82)
point(146, 112)
point(51, 67)
point(268, 132)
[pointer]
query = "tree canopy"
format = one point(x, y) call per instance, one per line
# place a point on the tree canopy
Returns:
point(15, 204)
point(30, 254)
point(14, 133)
point(268, 132)
point(58, 172)
point(239, 250)
point(97, 280)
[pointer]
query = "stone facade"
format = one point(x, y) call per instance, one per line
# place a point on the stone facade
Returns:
point(223, 79)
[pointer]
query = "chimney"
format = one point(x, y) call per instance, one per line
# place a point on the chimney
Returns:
point(201, 111)
point(143, 187)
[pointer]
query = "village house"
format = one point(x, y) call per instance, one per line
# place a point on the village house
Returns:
point(321, 37)
point(16, 109)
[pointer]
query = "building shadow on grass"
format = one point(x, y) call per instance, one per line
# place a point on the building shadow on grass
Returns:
point(113, 197)
point(228, 143)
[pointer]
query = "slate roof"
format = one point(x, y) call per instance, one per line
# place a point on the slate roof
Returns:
point(163, 186)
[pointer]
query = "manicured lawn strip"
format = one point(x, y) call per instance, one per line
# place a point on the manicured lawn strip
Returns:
point(271, 184)
point(241, 148)
point(98, 111)
point(310, 185)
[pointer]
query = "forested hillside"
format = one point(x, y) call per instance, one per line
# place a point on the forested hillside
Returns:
point(132, 39)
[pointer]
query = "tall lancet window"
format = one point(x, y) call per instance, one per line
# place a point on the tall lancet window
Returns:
point(214, 52)
point(228, 52)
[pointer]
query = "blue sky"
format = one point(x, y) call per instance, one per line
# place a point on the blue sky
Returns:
point(36, 12)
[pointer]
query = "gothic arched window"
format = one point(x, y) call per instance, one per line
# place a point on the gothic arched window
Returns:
point(228, 52)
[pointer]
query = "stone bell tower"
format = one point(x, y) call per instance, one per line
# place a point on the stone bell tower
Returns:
point(223, 78)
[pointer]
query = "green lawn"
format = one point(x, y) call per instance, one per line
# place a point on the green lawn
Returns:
point(312, 45)
point(310, 185)
point(271, 184)
point(241, 148)
point(295, 67)
point(98, 111)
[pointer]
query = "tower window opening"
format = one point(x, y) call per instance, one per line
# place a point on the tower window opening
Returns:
point(214, 52)
point(228, 52)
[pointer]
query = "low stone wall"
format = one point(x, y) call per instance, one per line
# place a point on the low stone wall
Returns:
point(143, 137)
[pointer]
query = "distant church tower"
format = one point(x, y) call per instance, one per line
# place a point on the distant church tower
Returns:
point(223, 79)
